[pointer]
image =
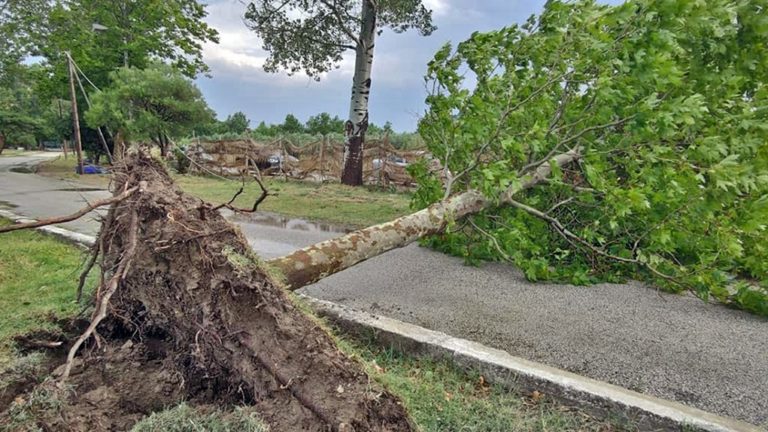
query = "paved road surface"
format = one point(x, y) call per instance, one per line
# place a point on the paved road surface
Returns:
point(674, 347)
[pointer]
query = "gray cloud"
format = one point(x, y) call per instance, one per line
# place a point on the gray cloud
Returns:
point(239, 83)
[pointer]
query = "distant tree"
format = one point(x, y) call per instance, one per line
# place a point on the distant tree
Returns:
point(324, 124)
point(291, 125)
point(157, 104)
point(17, 128)
point(237, 123)
point(20, 115)
point(312, 35)
point(266, 130)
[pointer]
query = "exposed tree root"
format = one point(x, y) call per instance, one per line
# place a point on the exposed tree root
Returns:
point(205, 321)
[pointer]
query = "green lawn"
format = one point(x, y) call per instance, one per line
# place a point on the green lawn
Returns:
point(38, 277)
point(330, 202)
point(336, 203)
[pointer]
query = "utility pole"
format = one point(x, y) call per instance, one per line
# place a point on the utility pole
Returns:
point(75, 116)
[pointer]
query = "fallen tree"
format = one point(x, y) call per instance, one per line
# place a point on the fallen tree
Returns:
point(589, 148)
point(182, 290)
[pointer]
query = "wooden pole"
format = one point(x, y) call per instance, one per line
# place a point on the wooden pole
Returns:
point(75, 116)
point(322, 148)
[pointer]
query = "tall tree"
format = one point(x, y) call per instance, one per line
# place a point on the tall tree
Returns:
point(20, 21)
point(101, 35)
point(312, 36)
point(21, 113)
point(157, 103)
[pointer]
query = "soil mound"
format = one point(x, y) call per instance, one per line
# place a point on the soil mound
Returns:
point(193, 316)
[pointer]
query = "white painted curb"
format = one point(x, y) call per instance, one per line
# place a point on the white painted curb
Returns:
point(62, 233)
point(648, 412)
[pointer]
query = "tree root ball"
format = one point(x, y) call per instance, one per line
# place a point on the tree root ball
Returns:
point(195, 317)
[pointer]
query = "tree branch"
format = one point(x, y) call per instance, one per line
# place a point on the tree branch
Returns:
point(571, 237)
point(80, 213)
point(335, 11)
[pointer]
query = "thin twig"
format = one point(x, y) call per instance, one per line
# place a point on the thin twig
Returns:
point(95, 249)
point(101, 312)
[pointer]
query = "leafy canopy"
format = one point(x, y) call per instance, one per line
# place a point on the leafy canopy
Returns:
point(312, 35)
point(324, 124)
point(236, 123)
point(153, 103)
point(667, 102)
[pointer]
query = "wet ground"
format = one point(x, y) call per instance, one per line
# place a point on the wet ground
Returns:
point(671, 346)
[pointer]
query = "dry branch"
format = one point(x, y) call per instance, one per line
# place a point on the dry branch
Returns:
point(103, 302)
point(78, 214)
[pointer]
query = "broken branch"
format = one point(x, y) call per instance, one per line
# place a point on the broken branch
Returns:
point(78, 214)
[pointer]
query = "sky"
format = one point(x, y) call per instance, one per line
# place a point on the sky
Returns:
point(238, 82)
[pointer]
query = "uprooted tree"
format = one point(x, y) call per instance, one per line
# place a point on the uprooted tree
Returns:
point(597, 142)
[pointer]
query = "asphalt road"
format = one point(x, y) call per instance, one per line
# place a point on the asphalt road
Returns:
point(671, 346)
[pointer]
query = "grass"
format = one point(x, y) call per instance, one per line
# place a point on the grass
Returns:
point(442, 397)
point(38, 277)
point(329, 202)
point(183, 418)
point(12, 152)
point(64, 169)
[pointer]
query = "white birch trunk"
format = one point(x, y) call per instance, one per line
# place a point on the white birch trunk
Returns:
point(356, 125)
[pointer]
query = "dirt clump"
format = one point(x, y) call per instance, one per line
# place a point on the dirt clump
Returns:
point(195, 317)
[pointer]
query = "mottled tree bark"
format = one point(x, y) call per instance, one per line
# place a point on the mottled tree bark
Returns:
point(312, 263)
point(352, 164)
point(2, 142)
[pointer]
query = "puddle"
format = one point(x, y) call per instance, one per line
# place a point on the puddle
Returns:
point(22, 169)
point(279, 221)
point(80, 189)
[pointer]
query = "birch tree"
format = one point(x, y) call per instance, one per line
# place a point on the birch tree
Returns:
point(312, 36)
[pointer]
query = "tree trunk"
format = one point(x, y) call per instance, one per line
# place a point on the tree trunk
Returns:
point(312, 263)
point(352, 164)
point(163, 140)
point(2, 142)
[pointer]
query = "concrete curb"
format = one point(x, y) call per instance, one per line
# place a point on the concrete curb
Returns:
point(648, 412)
point(76, 238)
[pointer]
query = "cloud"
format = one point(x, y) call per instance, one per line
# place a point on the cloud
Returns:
point(239, 54)
point(438, 7)
point(239, 82)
